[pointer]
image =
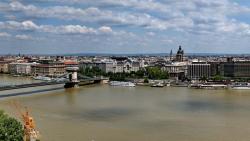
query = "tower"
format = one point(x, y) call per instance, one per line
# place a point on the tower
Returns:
point(179, 55)
point(72, 74)
point(171, 55)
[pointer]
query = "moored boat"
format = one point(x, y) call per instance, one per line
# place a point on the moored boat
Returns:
point(42, 78)
point(158, 85)
point(121, 83)
point(240, 86)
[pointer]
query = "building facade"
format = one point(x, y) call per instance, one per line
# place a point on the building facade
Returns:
point(4, 66)
point(198, 70)
point(21, 68)
point(114, 66)
point(177, 70)
point(232, 69)
point(50, 69)
point(179, 55)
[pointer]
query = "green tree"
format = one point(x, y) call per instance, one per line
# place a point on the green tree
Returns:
point(146, 80)
point(91, 72)
point(140, 73)
point(156, 73)
point(218, 78)
point(10, 128)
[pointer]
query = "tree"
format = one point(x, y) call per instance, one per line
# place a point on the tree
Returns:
point(10, 128)
point(156, 73)
point(91, 72)
point(218, 78)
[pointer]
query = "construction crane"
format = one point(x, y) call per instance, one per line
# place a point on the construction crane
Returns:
point(30, 133)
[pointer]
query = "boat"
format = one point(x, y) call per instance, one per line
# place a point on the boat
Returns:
point(60, 79)
point(240, 86)
point(158, 85)
point(42, 78)
point(121, 83)
point(208, 86)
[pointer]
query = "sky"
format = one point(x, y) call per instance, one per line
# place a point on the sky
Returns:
point(124, 26)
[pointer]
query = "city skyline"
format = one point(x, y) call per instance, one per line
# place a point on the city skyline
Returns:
point(124, 26)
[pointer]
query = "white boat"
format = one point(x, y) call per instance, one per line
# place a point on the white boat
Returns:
point(208, 86)
point(121, 83)
point(158, 85)
point(240, 86)
point(60, 79)
point(42, 78)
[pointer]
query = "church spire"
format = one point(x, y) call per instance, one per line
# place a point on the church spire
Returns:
point(171, 54)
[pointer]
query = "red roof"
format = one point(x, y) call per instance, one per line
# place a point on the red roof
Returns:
point(70, 63)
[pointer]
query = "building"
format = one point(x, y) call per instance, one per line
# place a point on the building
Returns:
point(21, 68)
point(104, 66)
point(214, 68)
point(49, 68)
point(116, 65)
point(179, 55)
point(126, 66)
point(198, 70)
point(239, 69)
point(4, 66)
point(71, 63)
point(176, 70)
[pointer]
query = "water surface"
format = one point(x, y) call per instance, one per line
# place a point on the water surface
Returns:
point(104, 113)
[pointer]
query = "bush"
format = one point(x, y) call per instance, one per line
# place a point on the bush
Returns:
point(146, 80)
point(10, 128)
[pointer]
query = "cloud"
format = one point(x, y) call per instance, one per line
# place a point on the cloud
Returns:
point(23, 37)
point(188, 22)
point(62, 29)
point(151, 33)
point(25, 25)
point(105, 29)
point(94, 14)
point(4, 34)
point(192, 16)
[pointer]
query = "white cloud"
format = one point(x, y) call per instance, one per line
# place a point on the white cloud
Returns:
point(25, 25)
point(94, 14)
point(105, 29)
point(23, 37)
point(4, 34)
point(193, 15)
point(62, 29)
point(186, 20)
point(151, 33)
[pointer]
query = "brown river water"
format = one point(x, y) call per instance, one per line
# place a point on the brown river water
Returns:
point(105, 113)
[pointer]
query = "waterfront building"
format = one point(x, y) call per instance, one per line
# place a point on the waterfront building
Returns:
point(214, 68)
point(239, 69)
point(71, 63)
point(49, 68)
point(4, 66)
point(104, 66)
point(126, 66)
point(115, 65)
point(197, 70)
point(21, 68)
point(176, 70)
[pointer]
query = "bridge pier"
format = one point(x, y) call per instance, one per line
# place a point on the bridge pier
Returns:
point(72, 75)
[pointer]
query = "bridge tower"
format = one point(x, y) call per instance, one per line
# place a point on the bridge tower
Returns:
point(72, 75)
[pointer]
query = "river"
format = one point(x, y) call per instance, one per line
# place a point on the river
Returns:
point(105, 113)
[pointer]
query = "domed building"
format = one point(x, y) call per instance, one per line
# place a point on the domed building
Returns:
point(179, 55)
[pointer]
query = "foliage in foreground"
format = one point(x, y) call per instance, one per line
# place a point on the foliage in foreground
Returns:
point(10, 128)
